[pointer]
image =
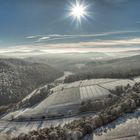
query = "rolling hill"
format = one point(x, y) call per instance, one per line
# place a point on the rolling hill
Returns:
point(18, 78)
point(127, 67)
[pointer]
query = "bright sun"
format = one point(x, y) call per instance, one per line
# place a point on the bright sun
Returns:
point(78, 10)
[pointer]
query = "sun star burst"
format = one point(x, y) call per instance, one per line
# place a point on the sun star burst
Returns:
point(78, 10)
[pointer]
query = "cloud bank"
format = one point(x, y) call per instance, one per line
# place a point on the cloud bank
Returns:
point(89, 46)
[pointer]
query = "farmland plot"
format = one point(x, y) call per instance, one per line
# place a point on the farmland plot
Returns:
point(66, 96)
point(95, 92)
point(72, 85)
point(66, 86)
point(112, 85)
point(64, 108)
point(59, 98)
point(96, 81)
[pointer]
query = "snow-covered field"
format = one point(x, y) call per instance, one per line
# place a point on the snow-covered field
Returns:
point(93, 92)
point(66, 97)
point(121, 82)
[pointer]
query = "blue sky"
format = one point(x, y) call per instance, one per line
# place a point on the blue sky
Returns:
point(37, 22)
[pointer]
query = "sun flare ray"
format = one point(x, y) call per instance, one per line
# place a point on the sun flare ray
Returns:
point(78, 11)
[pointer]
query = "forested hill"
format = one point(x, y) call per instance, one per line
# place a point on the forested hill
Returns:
point(127, 67)
point(18, 78)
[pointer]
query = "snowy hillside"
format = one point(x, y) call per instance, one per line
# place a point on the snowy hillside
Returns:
point(18, 78)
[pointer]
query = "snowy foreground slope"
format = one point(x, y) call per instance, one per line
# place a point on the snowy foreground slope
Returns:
point(15, 128)
point(126, 127)
point(65, 98)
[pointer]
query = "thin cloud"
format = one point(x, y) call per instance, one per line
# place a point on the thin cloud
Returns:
point(53, 37)
point(43, 38)
point(33, 36)
point(90, 44)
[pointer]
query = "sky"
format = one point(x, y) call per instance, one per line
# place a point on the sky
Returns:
point(37, 24)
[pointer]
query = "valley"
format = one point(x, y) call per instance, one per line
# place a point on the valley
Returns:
point(57, 103)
